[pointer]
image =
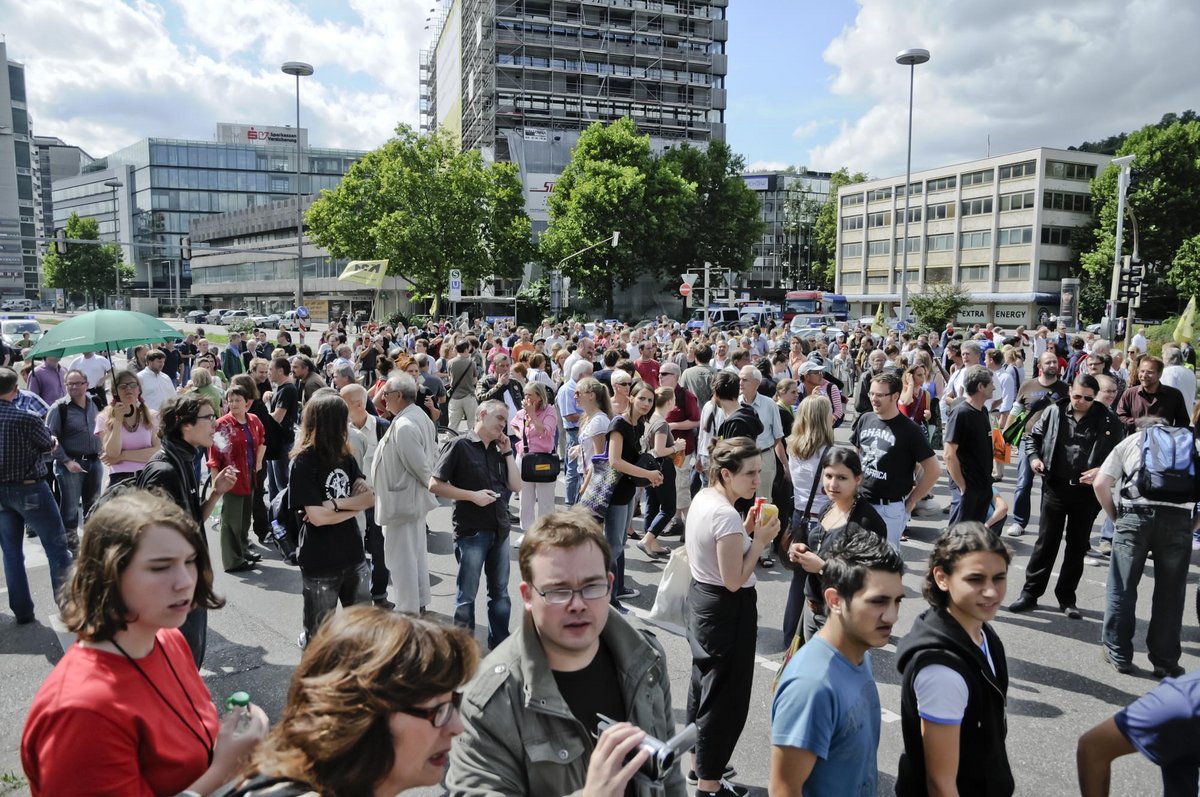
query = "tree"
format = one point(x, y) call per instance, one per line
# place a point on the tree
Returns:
point(425, 207)
point(1184, 273)
point(938, 305)
point(725, 219)
point(824, 259)
point(85, 271)
point(614, 184)
point(1165, 196)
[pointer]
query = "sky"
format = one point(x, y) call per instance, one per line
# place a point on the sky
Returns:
point(811, 82)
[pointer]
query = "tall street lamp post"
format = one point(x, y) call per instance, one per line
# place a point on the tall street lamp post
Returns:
point(298, 69)
point(114, 184)
point(909, 58)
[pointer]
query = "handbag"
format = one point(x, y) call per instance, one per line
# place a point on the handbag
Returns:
point(537, 467)
point(670, 603)
point(646, 461)
point(601, 485)
point(801, 525)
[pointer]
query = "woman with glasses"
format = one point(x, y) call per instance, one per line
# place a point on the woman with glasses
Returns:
point(127, 430)
point(372, 709)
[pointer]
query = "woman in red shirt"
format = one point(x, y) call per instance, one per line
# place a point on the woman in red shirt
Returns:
point(239, 443)
point(124, 711)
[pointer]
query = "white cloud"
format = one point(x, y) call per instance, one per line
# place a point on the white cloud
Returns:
point(1025, 73)
point(766, 166)
point(103, 74)
point(810, 128)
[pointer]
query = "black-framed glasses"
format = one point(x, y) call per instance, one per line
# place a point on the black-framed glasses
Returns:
point(439, 715)
point(1077, 397)
point(205, 418)
point(562, 595)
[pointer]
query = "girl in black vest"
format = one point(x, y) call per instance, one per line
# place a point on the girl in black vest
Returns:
point(955, 673)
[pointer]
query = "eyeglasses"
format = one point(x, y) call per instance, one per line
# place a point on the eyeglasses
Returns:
point(209, 417)
point(560, 596)
point(439, 715)
point(880, 396)
point(1077, 397)
point(76, 384)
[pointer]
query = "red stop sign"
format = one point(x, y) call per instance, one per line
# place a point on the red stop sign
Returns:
point(685, 289)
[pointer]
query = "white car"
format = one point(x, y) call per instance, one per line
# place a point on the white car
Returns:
point(17, 305)
point(13, 329)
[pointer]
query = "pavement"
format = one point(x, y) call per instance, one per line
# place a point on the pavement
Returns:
point(1059, 685)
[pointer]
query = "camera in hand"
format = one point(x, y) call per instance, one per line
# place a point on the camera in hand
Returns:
point(663, 755)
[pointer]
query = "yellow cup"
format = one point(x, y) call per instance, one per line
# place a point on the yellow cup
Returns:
point(768, 512)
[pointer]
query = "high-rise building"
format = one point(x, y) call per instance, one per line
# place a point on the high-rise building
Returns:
point(56, 160)
point(790, 201)
point(150, 192)
point(20, 202)
point(999, 227)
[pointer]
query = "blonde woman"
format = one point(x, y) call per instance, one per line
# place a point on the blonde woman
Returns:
point(127, 430)
point(592, 397)
point(811, 436)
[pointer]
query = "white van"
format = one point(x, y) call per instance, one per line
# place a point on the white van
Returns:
point(17, 305)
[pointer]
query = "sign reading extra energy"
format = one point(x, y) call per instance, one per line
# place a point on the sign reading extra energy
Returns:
point(972, 314)
point(1011, 315)
point(228, 133)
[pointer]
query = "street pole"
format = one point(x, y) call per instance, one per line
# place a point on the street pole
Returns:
point(909, 58)
point(114, 184)
point(1124, 163)
point(299, 69)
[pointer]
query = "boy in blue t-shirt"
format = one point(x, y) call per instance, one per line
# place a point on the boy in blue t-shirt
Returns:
point(825, 716)
point(1163, 725)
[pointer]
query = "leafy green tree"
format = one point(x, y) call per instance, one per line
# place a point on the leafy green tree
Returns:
point(1184, 273)
point(725, 220)
point(1165, 196)
point(85, 271)
point(613, 183)
point(824, 259)
point(425, 207)
point(938, 305)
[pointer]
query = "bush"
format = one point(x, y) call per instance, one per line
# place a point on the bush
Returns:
point(242, 326)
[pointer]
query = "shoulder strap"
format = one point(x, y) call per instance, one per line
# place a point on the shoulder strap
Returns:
point(812, 493)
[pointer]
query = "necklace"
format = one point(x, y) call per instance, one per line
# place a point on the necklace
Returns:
point(136, 422)
point(207, 745)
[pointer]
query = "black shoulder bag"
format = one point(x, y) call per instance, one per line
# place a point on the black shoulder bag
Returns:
point(537, 467)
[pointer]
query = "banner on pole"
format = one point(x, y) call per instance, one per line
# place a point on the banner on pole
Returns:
point(365, 272)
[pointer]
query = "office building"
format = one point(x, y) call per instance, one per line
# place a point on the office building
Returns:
point(57, 160)
point(790, 201)
point(999, 227)
point(151, 192)
point(20, 202)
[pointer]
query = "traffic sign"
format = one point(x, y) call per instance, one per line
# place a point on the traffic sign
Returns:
point(690, 279)
point(685, 289)
point(301, 312)
point(901, 326)
point(455, 285)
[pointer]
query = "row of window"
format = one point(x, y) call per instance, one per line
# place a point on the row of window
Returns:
point(1023, 200)
point(1057, 169)
point(1005, 272)
point(597, 108)
point(314, 267)
point(973, 239)
point(597, 68)
point(591, 38)
point(252, 158)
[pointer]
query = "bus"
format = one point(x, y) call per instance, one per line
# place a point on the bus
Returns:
point(815, 303)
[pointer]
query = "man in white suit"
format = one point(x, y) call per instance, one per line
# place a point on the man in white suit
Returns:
point(400, 476)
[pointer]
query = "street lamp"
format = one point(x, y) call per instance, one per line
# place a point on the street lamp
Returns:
point(298, 69)
point(114, 184)
point(1125, 165)
point(909, 58)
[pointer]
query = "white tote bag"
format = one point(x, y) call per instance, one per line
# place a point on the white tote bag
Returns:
point(670, 604)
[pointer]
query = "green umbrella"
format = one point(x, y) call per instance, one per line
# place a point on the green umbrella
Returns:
point(102, 330)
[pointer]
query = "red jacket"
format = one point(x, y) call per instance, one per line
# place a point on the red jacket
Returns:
point(240, 453)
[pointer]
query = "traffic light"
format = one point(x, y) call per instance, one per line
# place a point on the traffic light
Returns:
point(1129, 285)
point(60, 241)
point(185, 247)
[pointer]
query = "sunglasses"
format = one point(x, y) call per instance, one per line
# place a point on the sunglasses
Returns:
point(1077, 397)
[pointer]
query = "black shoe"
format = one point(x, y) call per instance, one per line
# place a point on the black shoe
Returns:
point(384, 603)
point(25, 620)
point(1071, 612)
point(1174, 671)
point(766, 561)
point(242, 568)
point(253, 558)
point(1124, 668)
point(726, 775)
point(1023, 604)
point(673, 529)
point(727, 790)
point(629, 592)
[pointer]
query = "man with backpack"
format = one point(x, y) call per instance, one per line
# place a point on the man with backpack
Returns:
point(1157, 466)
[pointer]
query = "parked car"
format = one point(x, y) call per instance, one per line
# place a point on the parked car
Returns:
point(288, 321)
point(267, 321)
point(215, 316)
point(718, 318)
point(17, 305)
point(13, 330)
point(197, 317)
point(233, 315)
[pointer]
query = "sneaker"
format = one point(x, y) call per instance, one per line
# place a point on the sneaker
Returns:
point(1104, 548)
point(629, 592)
point(727, 790)
point(1124, 668)
point(1174, 671)
point(927, 507)
point(1014, 530)
point(726, 775)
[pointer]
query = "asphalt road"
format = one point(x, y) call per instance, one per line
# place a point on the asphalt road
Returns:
point(1059, 685)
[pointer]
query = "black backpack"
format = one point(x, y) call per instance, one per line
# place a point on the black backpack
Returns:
point(285, 526)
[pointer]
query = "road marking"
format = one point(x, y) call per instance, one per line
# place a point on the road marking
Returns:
point(888, 716)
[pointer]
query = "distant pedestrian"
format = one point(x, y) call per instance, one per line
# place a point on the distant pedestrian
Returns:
point(968, 449)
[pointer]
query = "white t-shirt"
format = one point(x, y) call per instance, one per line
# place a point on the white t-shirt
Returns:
point(942, 693)
point(598, 425)
point(94, 368)
point(803, 472)
point(711, 519)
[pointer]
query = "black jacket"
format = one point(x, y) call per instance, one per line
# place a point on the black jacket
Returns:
point(170, 470)
point(1040, 442)
point(983, 768)
point(489, 388)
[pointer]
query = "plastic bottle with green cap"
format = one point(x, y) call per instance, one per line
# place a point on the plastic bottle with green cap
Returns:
point(239, 702)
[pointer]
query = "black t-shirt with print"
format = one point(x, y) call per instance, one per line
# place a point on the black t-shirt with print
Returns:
point(631, 448)
point(890, 450)
point(325, 550)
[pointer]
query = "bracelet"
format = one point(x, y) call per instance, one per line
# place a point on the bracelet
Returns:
point(336, 508)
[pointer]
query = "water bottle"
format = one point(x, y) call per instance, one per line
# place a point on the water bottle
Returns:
point(239, 703)
point(278, 530)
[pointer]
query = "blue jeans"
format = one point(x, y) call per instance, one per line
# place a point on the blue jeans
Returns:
point(574, 476)
point(277, 476)
point(31, 505)
point(1022, 492)
point(616, 523)
point(485, 551)
point(73, 487)
point(1168, 533)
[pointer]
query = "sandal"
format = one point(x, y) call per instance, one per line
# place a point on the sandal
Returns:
point(766, 561)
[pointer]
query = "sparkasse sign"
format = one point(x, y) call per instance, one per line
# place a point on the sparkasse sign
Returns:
point(229, 133)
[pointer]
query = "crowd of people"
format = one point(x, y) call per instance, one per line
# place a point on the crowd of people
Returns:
point(723, 439)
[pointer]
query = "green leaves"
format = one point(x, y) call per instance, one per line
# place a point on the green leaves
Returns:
point(86, 270)
point(938, 305)
point(426, 208)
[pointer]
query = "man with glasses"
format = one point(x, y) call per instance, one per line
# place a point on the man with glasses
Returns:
point(1067, 446)
point(537, 696)
point(892, 448)
point(77, 467)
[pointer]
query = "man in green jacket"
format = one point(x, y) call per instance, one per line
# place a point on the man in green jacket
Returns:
point(531, 711)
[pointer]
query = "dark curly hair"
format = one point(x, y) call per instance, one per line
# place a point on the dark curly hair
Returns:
point(967, 537)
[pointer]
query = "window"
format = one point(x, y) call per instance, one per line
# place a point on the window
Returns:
point(851, 279)
point(937, 275)
point(972, 274)
point(852, 199)
point(879, 194)
point(914, 244)
point(917, 188)
point(1026, 169)
point(1053, 270)
point(1060, 200)
point(1057, 236)
point(852, 250)
point(941, 184)
point(879, 247)
point(877, 279)
point(852, 222)
point(943, 211)
point(939, 243)
point(976, 207)
point(1012, 271)
point(914, 215)
point(977, 178)
point(1070, 171)
point(979, 239)
point(882, 219)
point(1014, 236)
point(1021, 201)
